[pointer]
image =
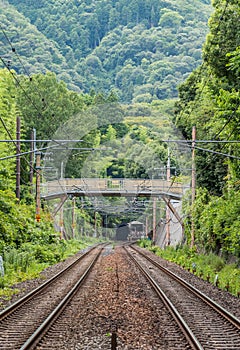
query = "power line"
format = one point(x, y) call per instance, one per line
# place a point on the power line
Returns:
point(204, 84)
point(228, 119)
point(14, 50)
point(8, 132)
point(15, 143)
point(168, 140)
point(202, 141)
point(217, 153)
point(49, 147)
point(61, 143)
point(18, 83)
point(51, 140)
point(20, 60)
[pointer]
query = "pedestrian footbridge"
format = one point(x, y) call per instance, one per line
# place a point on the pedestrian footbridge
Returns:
point(95, 187)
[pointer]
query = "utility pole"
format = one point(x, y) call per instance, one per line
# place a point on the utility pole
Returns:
point(32, 156)
point(95, 223)
point(146, 226)
point(154, 219)
point(106, 225)
point(61, 223)
point(73, 217)
point(38, 182)
point(193, 183)
point(18, 160)
point(167, 207)
point(61, 171)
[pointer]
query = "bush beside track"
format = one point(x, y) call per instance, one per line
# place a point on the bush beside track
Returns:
point(31, 259)
point(208, 267)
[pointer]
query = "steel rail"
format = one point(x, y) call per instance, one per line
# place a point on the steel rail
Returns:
point(214, 305)
point(13, 307)
point(44, 327)
point(187, 332)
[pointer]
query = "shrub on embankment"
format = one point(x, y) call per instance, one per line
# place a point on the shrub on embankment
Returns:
point(211, 267)
point(31, 258)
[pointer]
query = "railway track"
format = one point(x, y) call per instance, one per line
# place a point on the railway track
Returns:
point(105, 314)
point(116, 308)
point(204, 323)
point(23, 323)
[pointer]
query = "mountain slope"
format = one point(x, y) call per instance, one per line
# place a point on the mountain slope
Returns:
point(142, 49)
point(26, 50)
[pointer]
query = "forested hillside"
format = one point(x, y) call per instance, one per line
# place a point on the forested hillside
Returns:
point(26, 50)
point(140, 49)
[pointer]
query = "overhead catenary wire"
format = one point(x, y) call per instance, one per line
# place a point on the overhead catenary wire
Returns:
point(217, 153)
point(15, 144)
point(42, 141)
point(22, 88)
point(204, 141)
point(228, 120)
point(17, 81)
point(61, 143)
point(15, 52)
point(42, 149)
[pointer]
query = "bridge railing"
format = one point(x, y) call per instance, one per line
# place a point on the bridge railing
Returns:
point(110, 184)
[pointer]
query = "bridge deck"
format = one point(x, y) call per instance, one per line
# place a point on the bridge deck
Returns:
point(111, 188)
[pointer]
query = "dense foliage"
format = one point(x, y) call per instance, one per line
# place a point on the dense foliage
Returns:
point(28, 261)
point(27, 246)
point(16, 224)
point(142, 49)
point(210, 100)
point(17, 218)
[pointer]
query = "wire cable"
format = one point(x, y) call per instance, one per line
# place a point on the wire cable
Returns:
point(15, 143)
point(14, 50)
point(21, 62)
point(217, 153)
point(19, 84)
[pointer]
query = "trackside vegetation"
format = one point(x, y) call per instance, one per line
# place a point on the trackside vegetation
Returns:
point(31, 259)
point(210, 267)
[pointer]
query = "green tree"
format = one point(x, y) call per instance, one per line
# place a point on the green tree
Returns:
point(223, 38)
point(45, 103)
point(171, 19)
point(8, 110)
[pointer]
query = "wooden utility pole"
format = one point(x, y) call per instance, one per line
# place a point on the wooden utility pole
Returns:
point(18, 160)
point(95, 223)
point(61, 223)
point(146, 226)
point(168, 239)
point(193, 184)
point(38, 182)
point(73, 217)
point(31, 160)
point(154, 218)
